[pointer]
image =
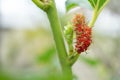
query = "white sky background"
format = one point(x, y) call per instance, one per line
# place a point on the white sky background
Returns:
point(22, 14)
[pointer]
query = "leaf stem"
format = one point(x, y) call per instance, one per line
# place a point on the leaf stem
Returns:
point(95, 15)
point(94, 18)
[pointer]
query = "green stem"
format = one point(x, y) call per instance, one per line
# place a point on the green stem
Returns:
point(73, 58)
point(59, 40)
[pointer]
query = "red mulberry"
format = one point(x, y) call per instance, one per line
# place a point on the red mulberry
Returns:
point(83, 33)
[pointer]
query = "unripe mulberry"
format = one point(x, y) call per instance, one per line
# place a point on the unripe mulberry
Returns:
point(83, 33)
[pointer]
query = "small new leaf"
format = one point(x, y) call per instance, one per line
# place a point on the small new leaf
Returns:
point(68, 32)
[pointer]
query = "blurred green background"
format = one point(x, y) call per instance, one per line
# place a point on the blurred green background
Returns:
point(27, 49)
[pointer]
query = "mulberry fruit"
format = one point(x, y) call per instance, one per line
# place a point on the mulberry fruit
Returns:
point(83, 33)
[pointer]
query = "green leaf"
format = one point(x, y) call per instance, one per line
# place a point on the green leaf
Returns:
point(90, 61)
point(98, 4)
point(74, 3)
point(47, 55)
point(93, 2)
point(70, 6)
